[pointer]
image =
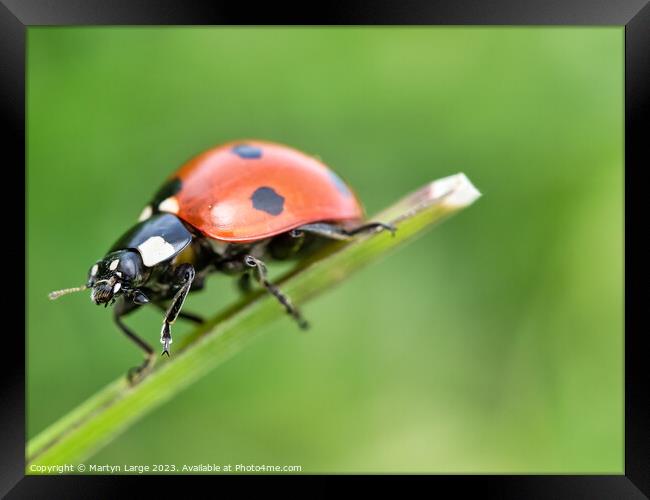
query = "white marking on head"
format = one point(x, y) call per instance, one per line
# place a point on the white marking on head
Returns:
point(94, 269)
point(117, 287)
point(113, 265)
point(155, 250)
point(118, 274)
point(146, 213)
point(169, 205)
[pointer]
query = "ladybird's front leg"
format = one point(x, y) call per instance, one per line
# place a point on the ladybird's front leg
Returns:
point(185, 275)
point(137, 372)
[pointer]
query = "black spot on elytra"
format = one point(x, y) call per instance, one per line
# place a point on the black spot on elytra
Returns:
point(340, 185)
point(170, 188)
point(247, 152)
point(267, 200)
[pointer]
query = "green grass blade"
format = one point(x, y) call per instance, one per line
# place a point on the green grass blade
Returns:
point(99, 420)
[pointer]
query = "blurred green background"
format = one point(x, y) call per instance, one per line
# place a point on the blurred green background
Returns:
point(492, 344)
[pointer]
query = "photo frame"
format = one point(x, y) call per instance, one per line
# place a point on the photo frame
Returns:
point(17, 16)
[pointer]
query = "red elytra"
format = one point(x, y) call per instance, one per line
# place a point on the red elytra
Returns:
point(249, 190)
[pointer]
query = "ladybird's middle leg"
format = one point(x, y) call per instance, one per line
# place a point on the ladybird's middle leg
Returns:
point(260, 269)
point(185, 274)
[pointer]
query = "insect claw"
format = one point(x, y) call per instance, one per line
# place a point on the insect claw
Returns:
point(390, 227)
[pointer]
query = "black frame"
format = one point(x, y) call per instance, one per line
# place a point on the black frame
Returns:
point(17, 15)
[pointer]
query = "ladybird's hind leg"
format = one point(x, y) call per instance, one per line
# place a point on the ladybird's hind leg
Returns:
point(334, 232)
point(136, 373)
point(260, 270)
point(371, 227)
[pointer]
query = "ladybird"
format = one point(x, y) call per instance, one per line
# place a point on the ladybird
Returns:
point(229, 210)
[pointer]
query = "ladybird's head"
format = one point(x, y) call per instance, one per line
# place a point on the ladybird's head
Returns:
point(119, 272)
point(133, 258)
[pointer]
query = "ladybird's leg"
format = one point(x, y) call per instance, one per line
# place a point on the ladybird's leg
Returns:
point(260, 269)
point(371, 227)
point(122, 309)
point(194, 318)
point(334, 232)
point(185, 274)
point(286, 245)
point(244, 283)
